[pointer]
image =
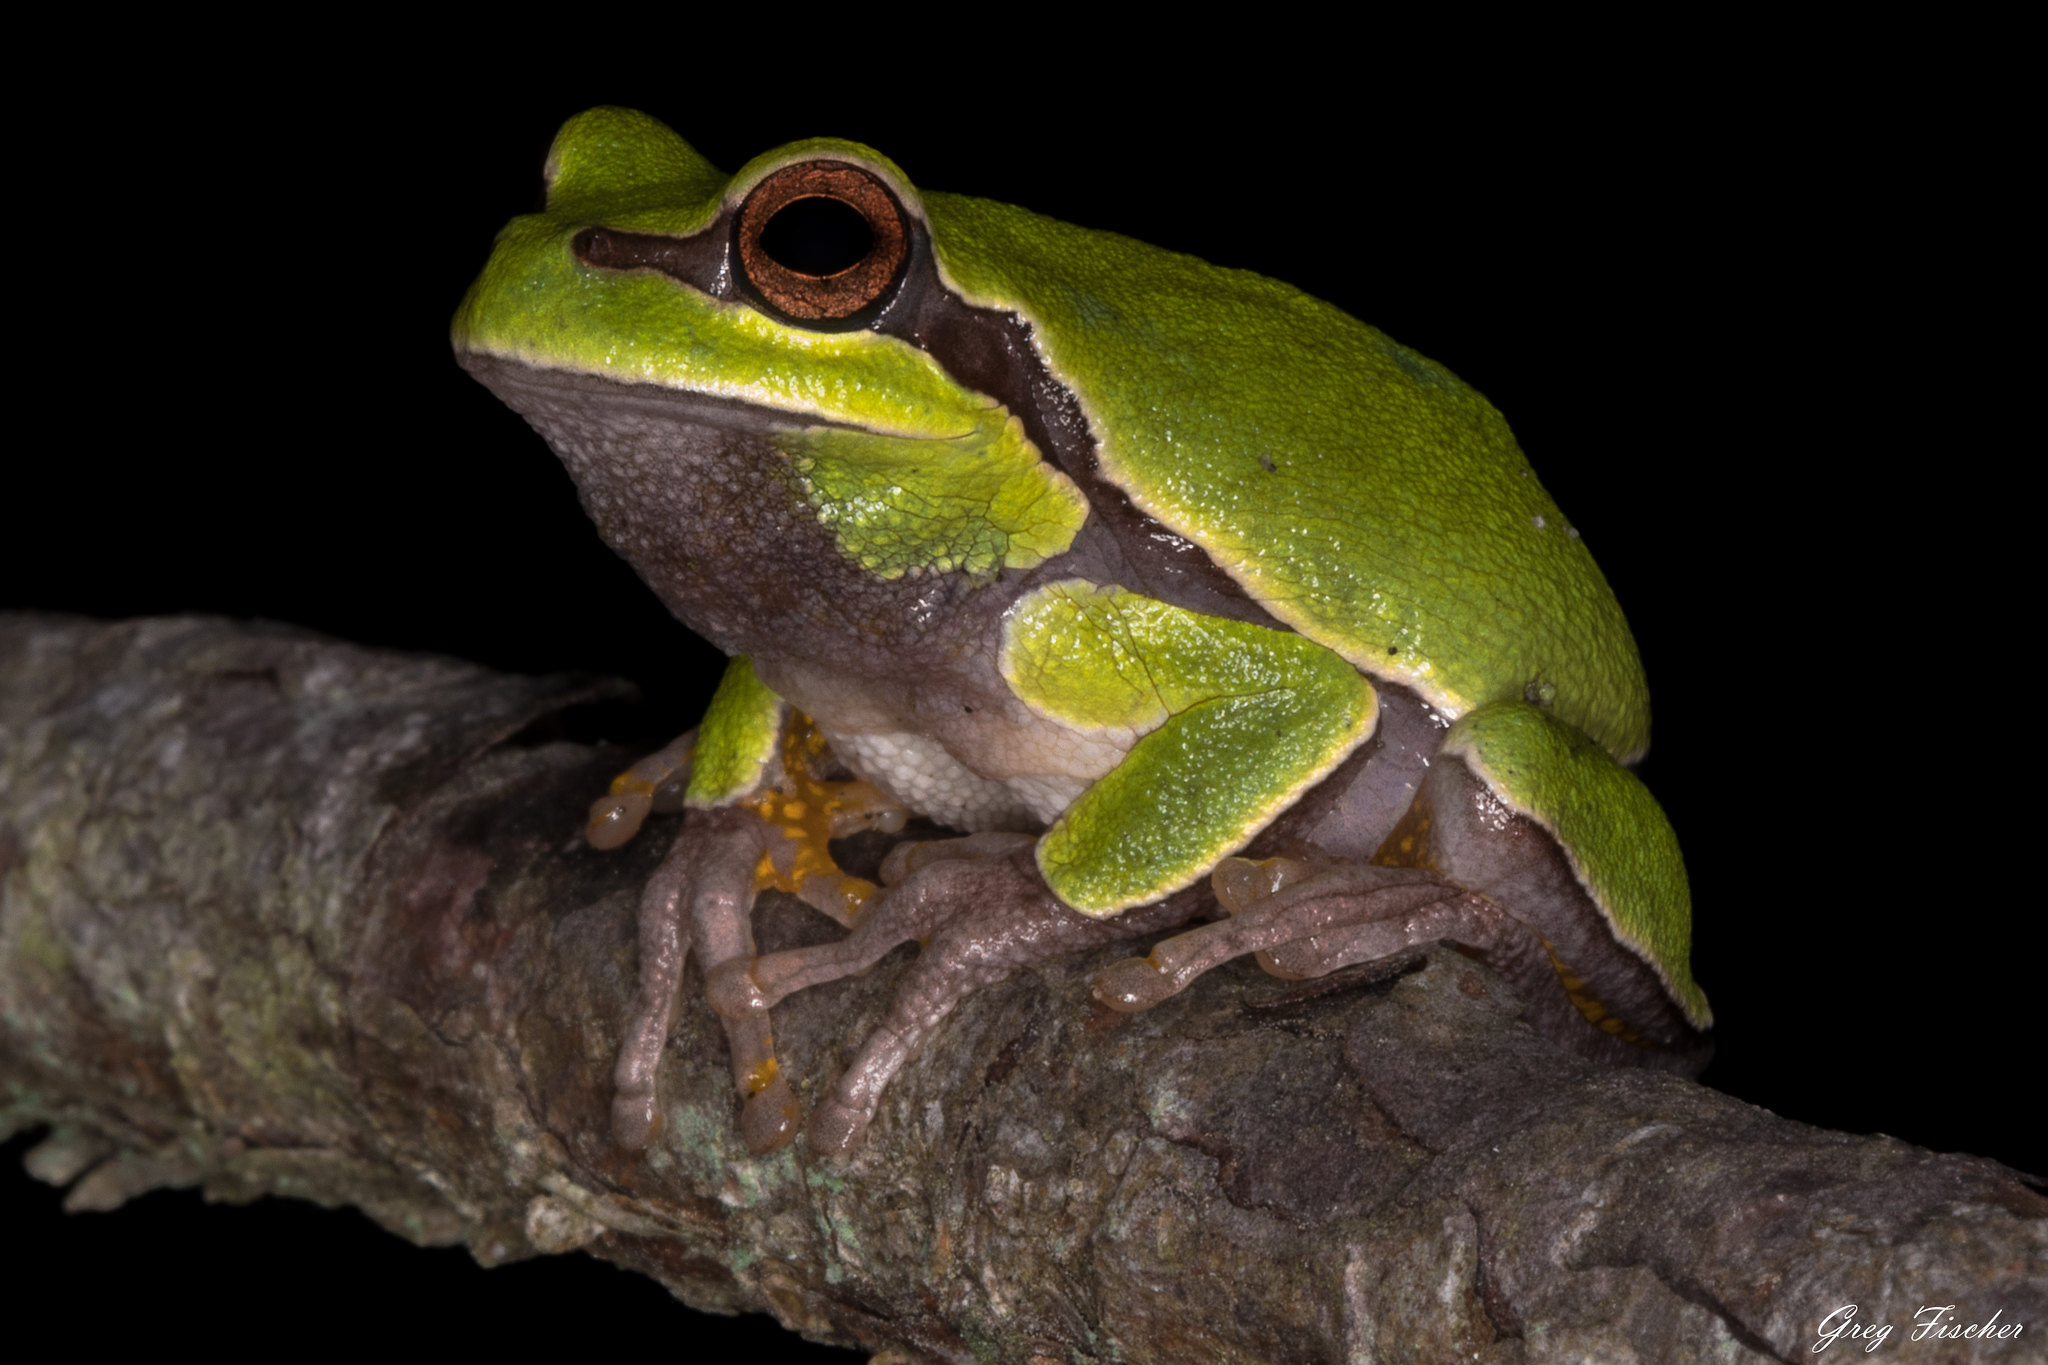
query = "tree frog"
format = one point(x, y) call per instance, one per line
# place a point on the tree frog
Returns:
point(1195, 606)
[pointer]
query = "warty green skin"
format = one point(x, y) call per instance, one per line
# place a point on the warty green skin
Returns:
point(1359, 492)
point(1356, 492)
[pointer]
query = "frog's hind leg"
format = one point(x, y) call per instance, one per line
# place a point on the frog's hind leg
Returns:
point(1457, 865)
point(1303, 920)
point(982, 913)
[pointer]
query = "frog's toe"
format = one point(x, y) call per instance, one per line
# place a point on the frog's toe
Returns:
point(664, 935)
point(1241, 883)
point(988, 846)
point(1134, 984)
point(635, 1114)
point(654, 783)
point(769, 1118)
point(837, 1129)
point(841, 1123)
point(616, 817)
point(633, 1119)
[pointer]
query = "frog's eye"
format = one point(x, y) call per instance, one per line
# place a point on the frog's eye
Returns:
point(823, 244)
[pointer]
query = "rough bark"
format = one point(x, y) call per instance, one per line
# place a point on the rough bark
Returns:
point(280, 915)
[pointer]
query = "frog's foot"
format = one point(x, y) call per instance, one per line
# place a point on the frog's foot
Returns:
point(801, 819)
point(655, 783)
point(1303, 920)
point(982, 913)
point(739, 989)
point(701, 898)
point(700, 866)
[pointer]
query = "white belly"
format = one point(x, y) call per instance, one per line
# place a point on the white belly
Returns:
point(1025, 770)
point(924, 777)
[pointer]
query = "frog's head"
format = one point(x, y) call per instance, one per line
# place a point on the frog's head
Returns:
point(805, 242)
point(714, 356)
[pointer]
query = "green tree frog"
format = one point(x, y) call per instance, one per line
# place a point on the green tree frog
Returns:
point(1167, 586)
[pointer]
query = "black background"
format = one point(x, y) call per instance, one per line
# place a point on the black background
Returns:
point(1753, 335)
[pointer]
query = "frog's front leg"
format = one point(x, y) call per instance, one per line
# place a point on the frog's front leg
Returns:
point(760, 816)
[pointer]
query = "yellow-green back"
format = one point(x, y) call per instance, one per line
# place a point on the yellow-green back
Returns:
point(1361, 493)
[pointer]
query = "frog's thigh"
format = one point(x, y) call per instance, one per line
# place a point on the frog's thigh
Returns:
point(1236, 720)
point(1616, 911)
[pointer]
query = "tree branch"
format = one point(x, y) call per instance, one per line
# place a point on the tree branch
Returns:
point(280, 915)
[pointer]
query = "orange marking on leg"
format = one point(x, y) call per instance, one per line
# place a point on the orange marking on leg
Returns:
point(1408, 843)
point(804, 807)
point(1588, 1004)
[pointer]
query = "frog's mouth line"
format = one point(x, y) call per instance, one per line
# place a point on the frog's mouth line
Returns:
point(523, 387)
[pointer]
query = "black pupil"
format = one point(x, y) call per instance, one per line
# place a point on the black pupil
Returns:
point(817, 236)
